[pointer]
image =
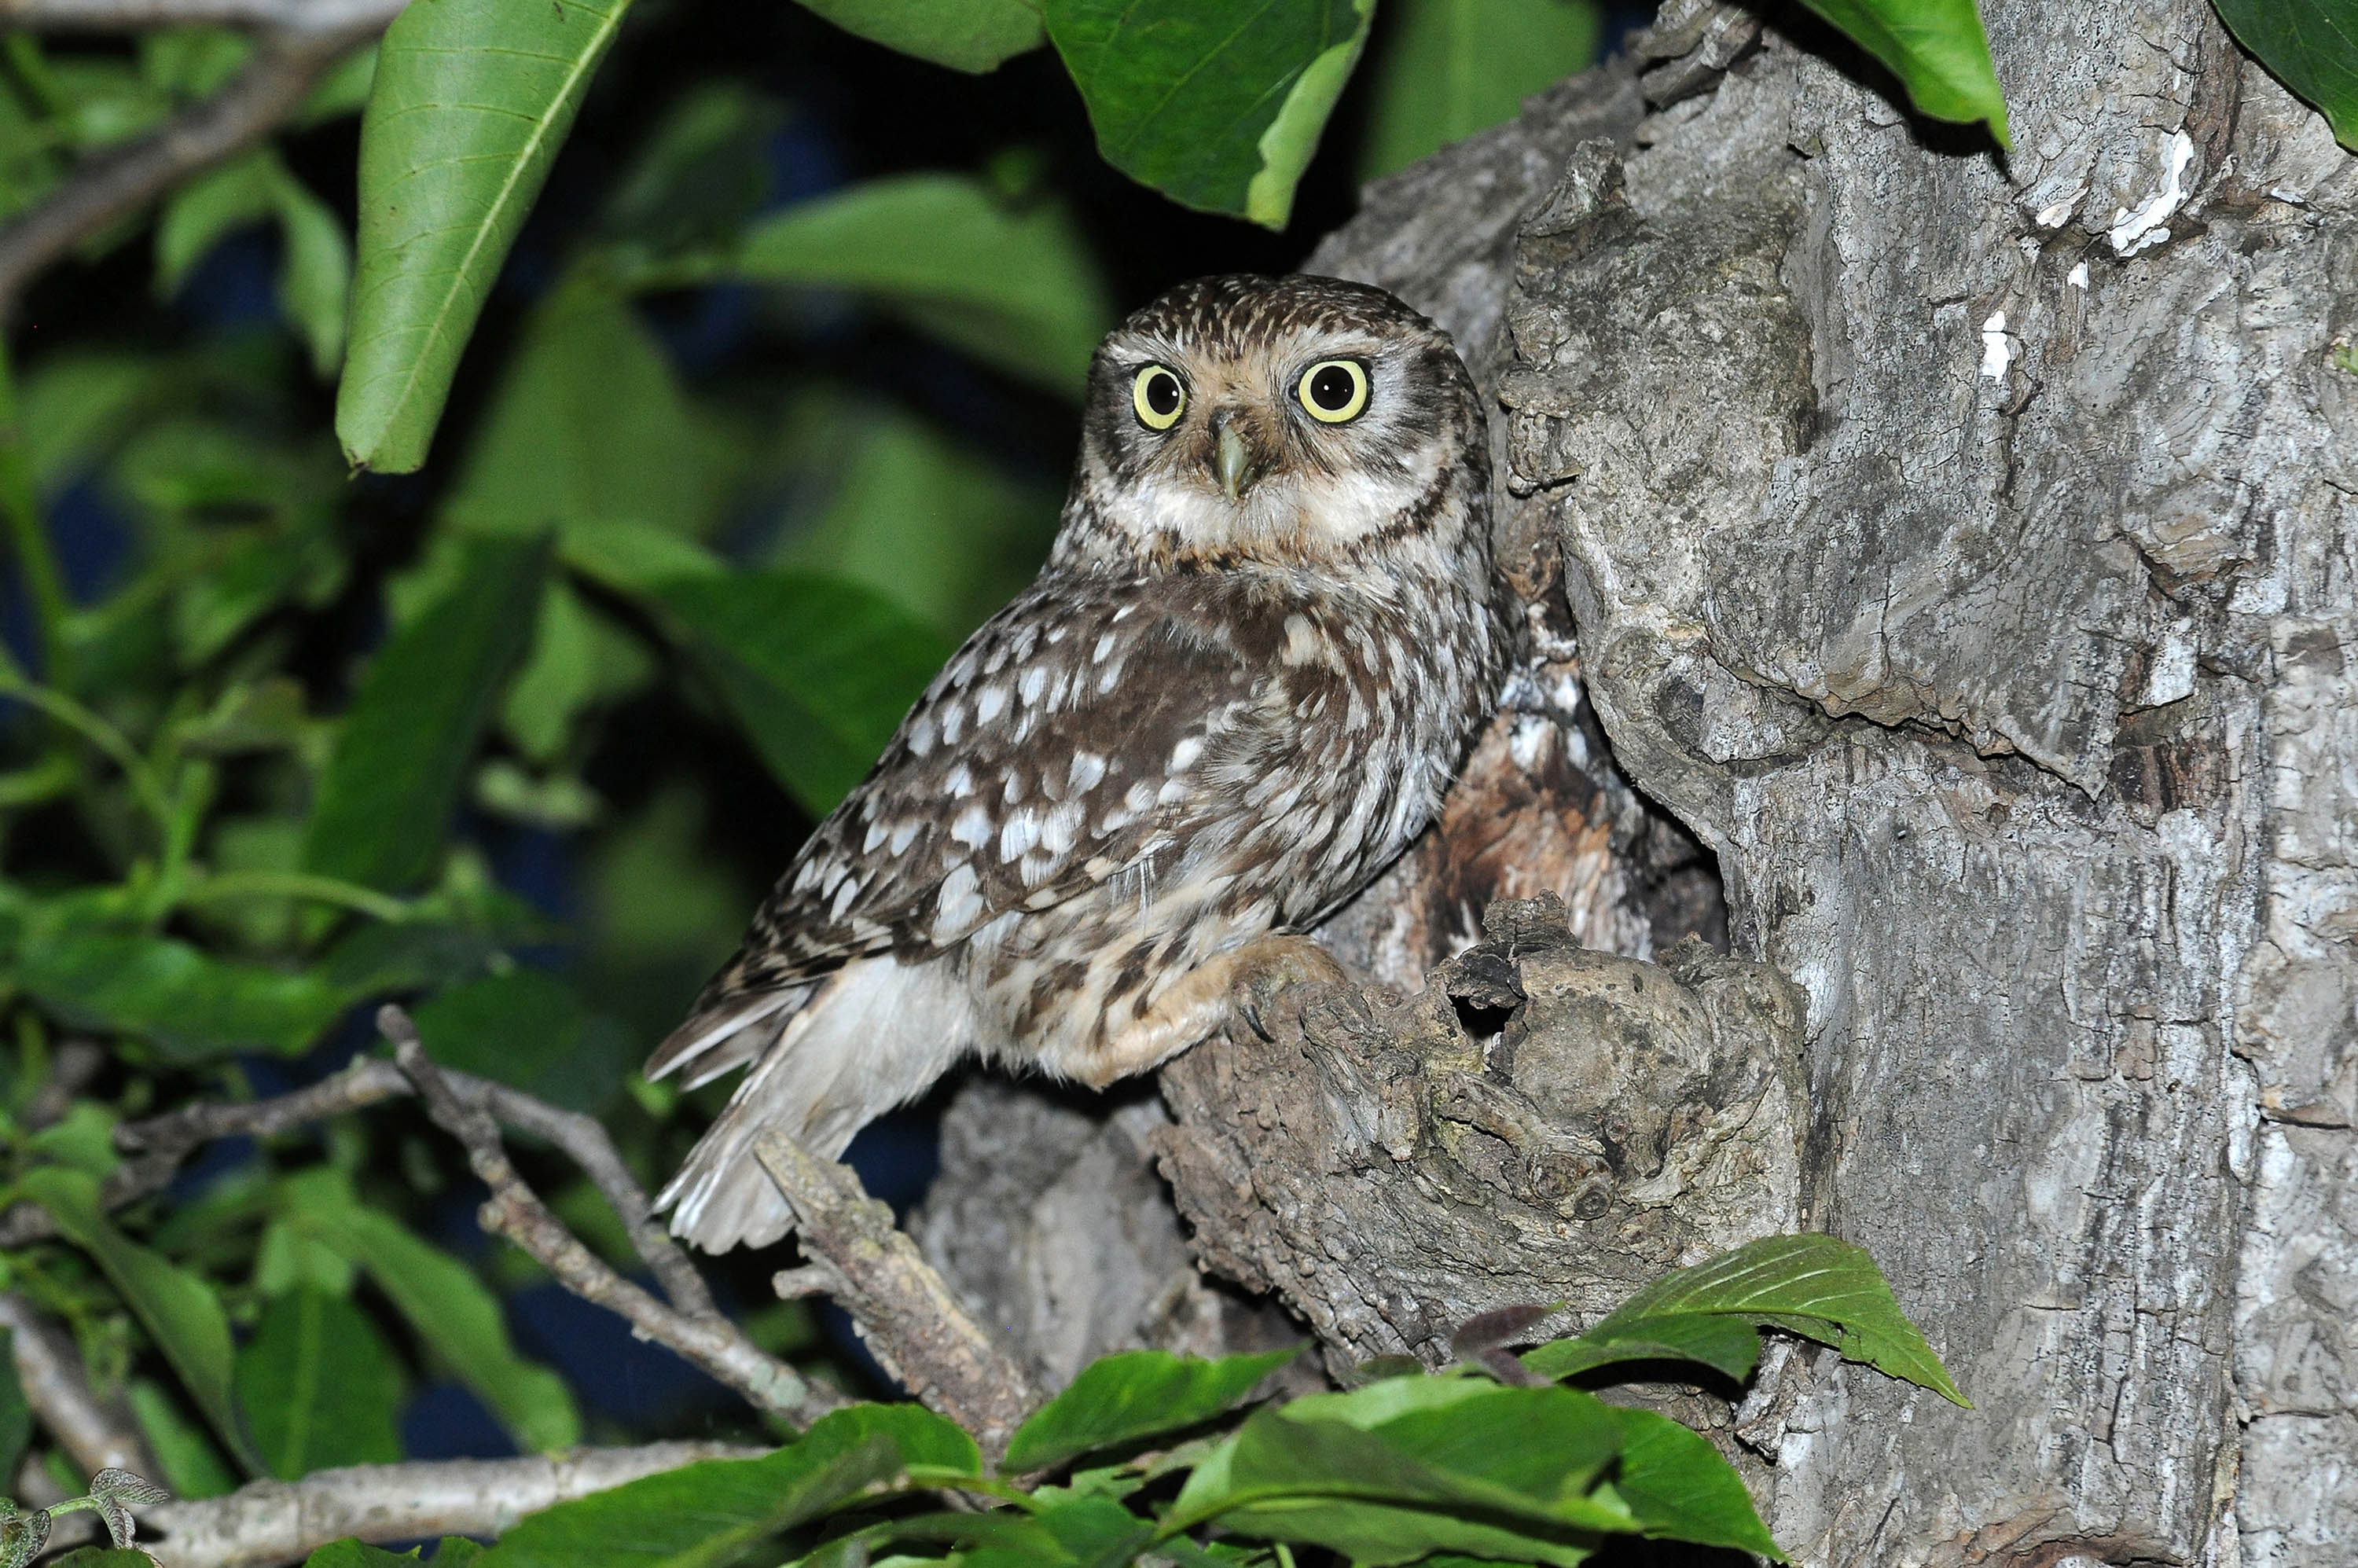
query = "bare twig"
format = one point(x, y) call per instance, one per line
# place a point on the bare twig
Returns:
point(159, 1144)
point(113, 185)
point(586, 1143)
point(515, 1212)
point(282, 1521)
point(138, 15)
point(58, 1388)
point(908, 1317)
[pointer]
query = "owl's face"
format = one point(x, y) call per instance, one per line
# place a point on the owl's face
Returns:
point(1289, 420)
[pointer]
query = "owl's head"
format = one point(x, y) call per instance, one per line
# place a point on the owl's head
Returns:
point(1292, 421)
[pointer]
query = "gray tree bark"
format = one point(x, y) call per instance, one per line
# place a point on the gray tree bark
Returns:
point(1958, 556)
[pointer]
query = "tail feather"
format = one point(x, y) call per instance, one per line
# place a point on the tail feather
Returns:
point(875, 1033)
point(725, 1036)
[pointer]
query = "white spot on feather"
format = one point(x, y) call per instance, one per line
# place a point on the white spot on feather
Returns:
point(1087, 770)
point(991, 703)
point(972, 825)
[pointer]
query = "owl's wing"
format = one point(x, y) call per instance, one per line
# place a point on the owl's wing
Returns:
point(1066, 744)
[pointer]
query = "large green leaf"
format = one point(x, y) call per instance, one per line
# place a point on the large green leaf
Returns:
point(1936, 49)
point(708, 1513)
point(936, 527)
point(1011, 282)
point(319, 1386)
point(190, 1005)
point(351, 1553)
point(1454, 67)
point(1680, 1487)
point(178, 1309)
point(472, 100)
point(385, 801)
point(965, 34)
point(527, 1028)
point(589, 425)
point(1121, 1398)
point(1728, 1344)
point(2311, 45)
point(1810, 1285)
point(818, 671)
point(1501, 1475)
point(1216, 104)
point(449, 1308)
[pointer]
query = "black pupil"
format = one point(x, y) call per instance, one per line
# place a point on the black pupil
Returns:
point(1162, 393)
point(1331, 388)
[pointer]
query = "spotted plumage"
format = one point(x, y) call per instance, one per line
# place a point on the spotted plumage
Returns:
point(1262, 642)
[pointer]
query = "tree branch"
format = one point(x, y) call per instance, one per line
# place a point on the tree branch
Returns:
point(138, 15)
point(58, 1388)
point(161, 1144)
point(111, 186)
point(282, 1521)
point(908, 1317)
point(515, 1211)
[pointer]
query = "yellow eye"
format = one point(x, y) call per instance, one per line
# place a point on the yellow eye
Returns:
point(1335, 390)
point(1159, 396)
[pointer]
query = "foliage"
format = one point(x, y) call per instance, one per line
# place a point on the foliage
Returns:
point(1151, 1455)
point(2312, 46)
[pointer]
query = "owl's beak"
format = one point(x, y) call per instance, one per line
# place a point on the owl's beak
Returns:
point(1235, 464)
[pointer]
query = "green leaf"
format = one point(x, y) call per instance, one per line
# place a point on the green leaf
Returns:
point(1012, 283)
point(193, 1467)
point(578, 658)
point(190, 1006)
point(470, 102)
point(207, 210)
point(527, 1028)
point(1815, 1286)
point(16, 1415)
point(451, 1310)
point(319, 1386)
point(936, 528)
point(635, 557)
point(351, 1553)
point(1728, 1344)
point(104, 1557)
point(315, 276)
point(385, 803)
point(589, 425)
point(1384, 1496)
point(1680, 1488)
point(1119, 1399)
point(2311, 45)
point(707, 1513)
point(1218, 107)
point(1936, 49)
point(1454, 67)
point(178, 1309)
point(965, 34)
point(818, 671)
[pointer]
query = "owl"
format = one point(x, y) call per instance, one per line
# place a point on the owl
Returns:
point(1263, 640)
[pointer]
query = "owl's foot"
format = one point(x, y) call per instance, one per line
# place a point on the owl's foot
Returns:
point(1269, 966)
point(1244, 983)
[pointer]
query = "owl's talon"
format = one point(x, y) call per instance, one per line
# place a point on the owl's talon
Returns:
point(1274, 965)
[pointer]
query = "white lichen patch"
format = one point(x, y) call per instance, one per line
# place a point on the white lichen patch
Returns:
point(2133, 231)
point(1998, 349)
point(2078, 276)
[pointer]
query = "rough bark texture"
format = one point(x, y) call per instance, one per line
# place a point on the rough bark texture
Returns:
point(1962, 550)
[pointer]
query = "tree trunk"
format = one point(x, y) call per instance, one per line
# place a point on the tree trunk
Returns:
point(1961, 550)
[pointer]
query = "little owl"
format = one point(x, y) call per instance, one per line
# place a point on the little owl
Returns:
point(1263, 640)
